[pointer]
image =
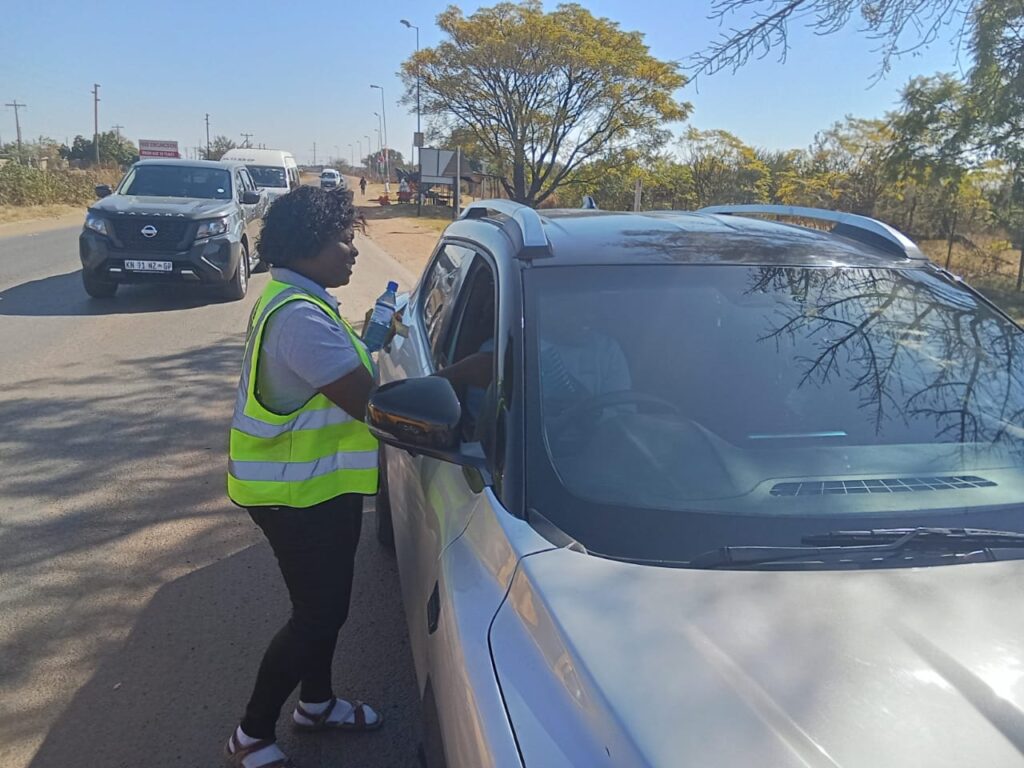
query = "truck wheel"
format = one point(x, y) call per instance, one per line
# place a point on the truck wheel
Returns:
point(98, 289)
point(235, 288)
point(385, 527)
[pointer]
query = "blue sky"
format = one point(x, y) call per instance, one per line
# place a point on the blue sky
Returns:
point(299, 72)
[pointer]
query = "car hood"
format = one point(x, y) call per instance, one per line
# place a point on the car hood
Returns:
point(187, 207)
point(608, 663)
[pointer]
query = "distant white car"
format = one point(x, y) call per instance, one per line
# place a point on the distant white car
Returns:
point(331, 179)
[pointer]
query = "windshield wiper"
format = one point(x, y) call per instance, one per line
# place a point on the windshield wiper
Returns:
point(872, 546)
point(946, 538)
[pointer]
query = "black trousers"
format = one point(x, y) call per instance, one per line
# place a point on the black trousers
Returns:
point(315, 549)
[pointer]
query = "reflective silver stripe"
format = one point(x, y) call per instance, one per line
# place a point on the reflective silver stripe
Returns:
point(324, 417)
point(296, 472)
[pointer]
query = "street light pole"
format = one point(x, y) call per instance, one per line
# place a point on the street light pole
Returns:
point(419, 161)
point(369, 151)
point(387, 160)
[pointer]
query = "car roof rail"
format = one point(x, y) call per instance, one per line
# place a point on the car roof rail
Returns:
point(861, 228)
point(589, 203)
point(522, 222)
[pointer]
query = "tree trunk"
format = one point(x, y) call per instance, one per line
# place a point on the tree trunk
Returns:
point(519, 179)
point(910, 219)
point(952, 236)
point(1020, 268)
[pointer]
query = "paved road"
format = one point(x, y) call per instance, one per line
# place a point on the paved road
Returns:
point(134, 599)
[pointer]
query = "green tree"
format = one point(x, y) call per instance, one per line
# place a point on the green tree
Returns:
point(219, 147)
point(722, 169)
point(544, 93)
point(114, 150)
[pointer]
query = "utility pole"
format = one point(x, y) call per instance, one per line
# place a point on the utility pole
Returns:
point(417, 142)
point(17, 123)
point(314, 153)
point(117, 130)
point(207, 135)
point(247, 137)
point(387, 160)
point(96, 120)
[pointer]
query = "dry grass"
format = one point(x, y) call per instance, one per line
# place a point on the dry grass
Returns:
point(18, 213)
point(990, 266)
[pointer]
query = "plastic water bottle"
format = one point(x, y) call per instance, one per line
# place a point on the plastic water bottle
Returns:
point(380, 321)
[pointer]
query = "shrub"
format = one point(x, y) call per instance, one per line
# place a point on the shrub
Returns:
point(20, 185)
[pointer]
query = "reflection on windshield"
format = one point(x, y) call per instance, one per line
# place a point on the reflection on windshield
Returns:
point(268, 175)
point(177, 181)
point(770, 391)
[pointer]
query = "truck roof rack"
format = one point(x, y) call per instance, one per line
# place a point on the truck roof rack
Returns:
point(520, 221)
point(861, 228)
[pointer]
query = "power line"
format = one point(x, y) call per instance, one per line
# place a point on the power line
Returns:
point(17, 122)
point(247, 137)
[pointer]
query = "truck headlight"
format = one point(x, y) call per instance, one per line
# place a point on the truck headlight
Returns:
point(96, 224)
point(211, 228)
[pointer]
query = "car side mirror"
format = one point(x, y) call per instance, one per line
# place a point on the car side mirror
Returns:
point(103, 190)
point(251, 197)
point(419, 415)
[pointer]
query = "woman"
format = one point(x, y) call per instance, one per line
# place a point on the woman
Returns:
point(301, 461)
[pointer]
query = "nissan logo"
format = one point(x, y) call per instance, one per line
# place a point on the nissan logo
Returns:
point(148, 231)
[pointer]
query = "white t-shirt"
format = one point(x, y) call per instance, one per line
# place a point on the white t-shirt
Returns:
point(302, 349)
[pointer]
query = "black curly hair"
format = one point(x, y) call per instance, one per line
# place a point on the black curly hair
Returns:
point(299, 223)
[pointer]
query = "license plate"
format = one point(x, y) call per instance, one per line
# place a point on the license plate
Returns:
point(148, 266)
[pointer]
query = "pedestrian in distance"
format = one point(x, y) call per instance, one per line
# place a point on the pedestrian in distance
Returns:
point(362, 185)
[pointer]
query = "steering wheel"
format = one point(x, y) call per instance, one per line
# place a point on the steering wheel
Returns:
point(570, 415)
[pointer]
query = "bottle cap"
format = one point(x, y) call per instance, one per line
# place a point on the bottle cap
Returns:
point(392, 286)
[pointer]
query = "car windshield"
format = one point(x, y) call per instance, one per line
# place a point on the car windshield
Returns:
point(177, 181)
point(688, 407)
point(268, 175)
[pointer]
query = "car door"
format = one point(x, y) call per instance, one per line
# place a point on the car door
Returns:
point(426, 494)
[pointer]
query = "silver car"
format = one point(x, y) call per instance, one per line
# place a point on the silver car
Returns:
point(737, 493)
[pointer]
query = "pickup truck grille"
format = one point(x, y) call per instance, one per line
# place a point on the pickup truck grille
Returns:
point(168, 237)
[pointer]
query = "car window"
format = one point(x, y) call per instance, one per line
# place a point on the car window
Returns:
point(239, 184)
point(438, 291)
point(472, 330)
point(177, 181)
point(247, 180)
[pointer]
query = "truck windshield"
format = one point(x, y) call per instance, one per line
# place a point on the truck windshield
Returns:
point(268, 175)
point(177, 181)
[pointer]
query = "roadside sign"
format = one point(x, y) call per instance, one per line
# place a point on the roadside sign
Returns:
point(438, 166)
point(153, 148)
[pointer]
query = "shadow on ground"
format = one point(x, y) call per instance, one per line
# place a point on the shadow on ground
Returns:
point(63, 295)
point(136, 600)
point(179, 682)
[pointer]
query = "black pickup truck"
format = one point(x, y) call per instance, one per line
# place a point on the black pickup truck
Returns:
point(174, 221)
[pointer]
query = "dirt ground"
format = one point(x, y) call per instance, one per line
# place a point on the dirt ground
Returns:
point(407, 238)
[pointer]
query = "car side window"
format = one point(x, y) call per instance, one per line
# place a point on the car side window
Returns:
point(250, 185)
point(239, 185)
point(438, 292)
point(472, 330)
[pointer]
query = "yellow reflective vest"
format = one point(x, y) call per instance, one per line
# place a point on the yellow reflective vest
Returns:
point(301, 458)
